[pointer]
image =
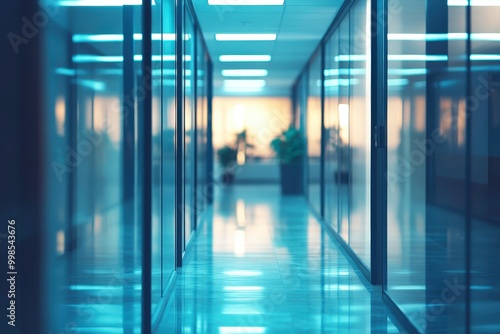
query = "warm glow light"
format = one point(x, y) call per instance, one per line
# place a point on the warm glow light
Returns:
point(234, 58)
point(239, 118)
point(344, 122)
point(240, 160)
point(61, 240)
point(239, 243)
point(60, 115)
point(245, 37)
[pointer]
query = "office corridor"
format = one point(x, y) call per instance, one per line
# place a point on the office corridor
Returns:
point(261, 263)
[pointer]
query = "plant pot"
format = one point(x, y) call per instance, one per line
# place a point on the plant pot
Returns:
point(227, 178)
point(291, 179)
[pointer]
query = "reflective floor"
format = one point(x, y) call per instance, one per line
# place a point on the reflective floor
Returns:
point(261, 263)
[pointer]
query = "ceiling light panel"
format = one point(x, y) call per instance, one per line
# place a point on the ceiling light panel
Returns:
point(246, 2)
point(100, 3)
point(244, 73)
point(236, 58)
point(245, 37)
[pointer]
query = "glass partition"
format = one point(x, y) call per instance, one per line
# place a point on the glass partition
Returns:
point(427, 164)
point(484, 121)
point(360, 132)
point(333, 139)
point(97, 73)
point(313, 135)
point(94, 91)
point(189, 126)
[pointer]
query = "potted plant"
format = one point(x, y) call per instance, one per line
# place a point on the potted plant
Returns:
point(227, 159)
point(289, 149)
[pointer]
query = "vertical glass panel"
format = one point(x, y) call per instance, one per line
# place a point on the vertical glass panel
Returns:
point(360, 134)
point(93, 56)
point(406, 184)
point(302, 97)
point(484, 117)
point(313, 134)
point(157, 152)
point(189, 129)
point(332, 130)
point(344, 171)
point(426, 164)
point(201, 123)
point(168, 120)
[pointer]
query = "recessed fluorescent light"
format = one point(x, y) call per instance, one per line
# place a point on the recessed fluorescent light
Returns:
point(464, 3)
point(459, 36)
point(244, 73)
point(485, 57)
point(245, 37)
point(100, 3)
point(83, 58)
point(427, 37)
point(418, 57)
point(246, 2)
point(244, 83)
point(234, 58)
point(395, 58)
point(82, 38)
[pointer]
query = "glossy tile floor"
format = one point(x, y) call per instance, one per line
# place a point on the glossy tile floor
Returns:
point(261, 263)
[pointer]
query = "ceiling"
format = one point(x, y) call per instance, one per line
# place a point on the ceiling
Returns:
point(299, 25)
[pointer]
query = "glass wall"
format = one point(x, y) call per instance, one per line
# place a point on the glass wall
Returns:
point(333, 140)
point(189, 127)
point(94, 155)
point(347, 135)
point(427, 165)
point(359, 131)
point(443, 126)
point(313, 123)
point(483, 115)
point(167, 151)
point(201, 127)
point(94, 94)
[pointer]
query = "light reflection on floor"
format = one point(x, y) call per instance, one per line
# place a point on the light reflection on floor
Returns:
point(261, 263)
